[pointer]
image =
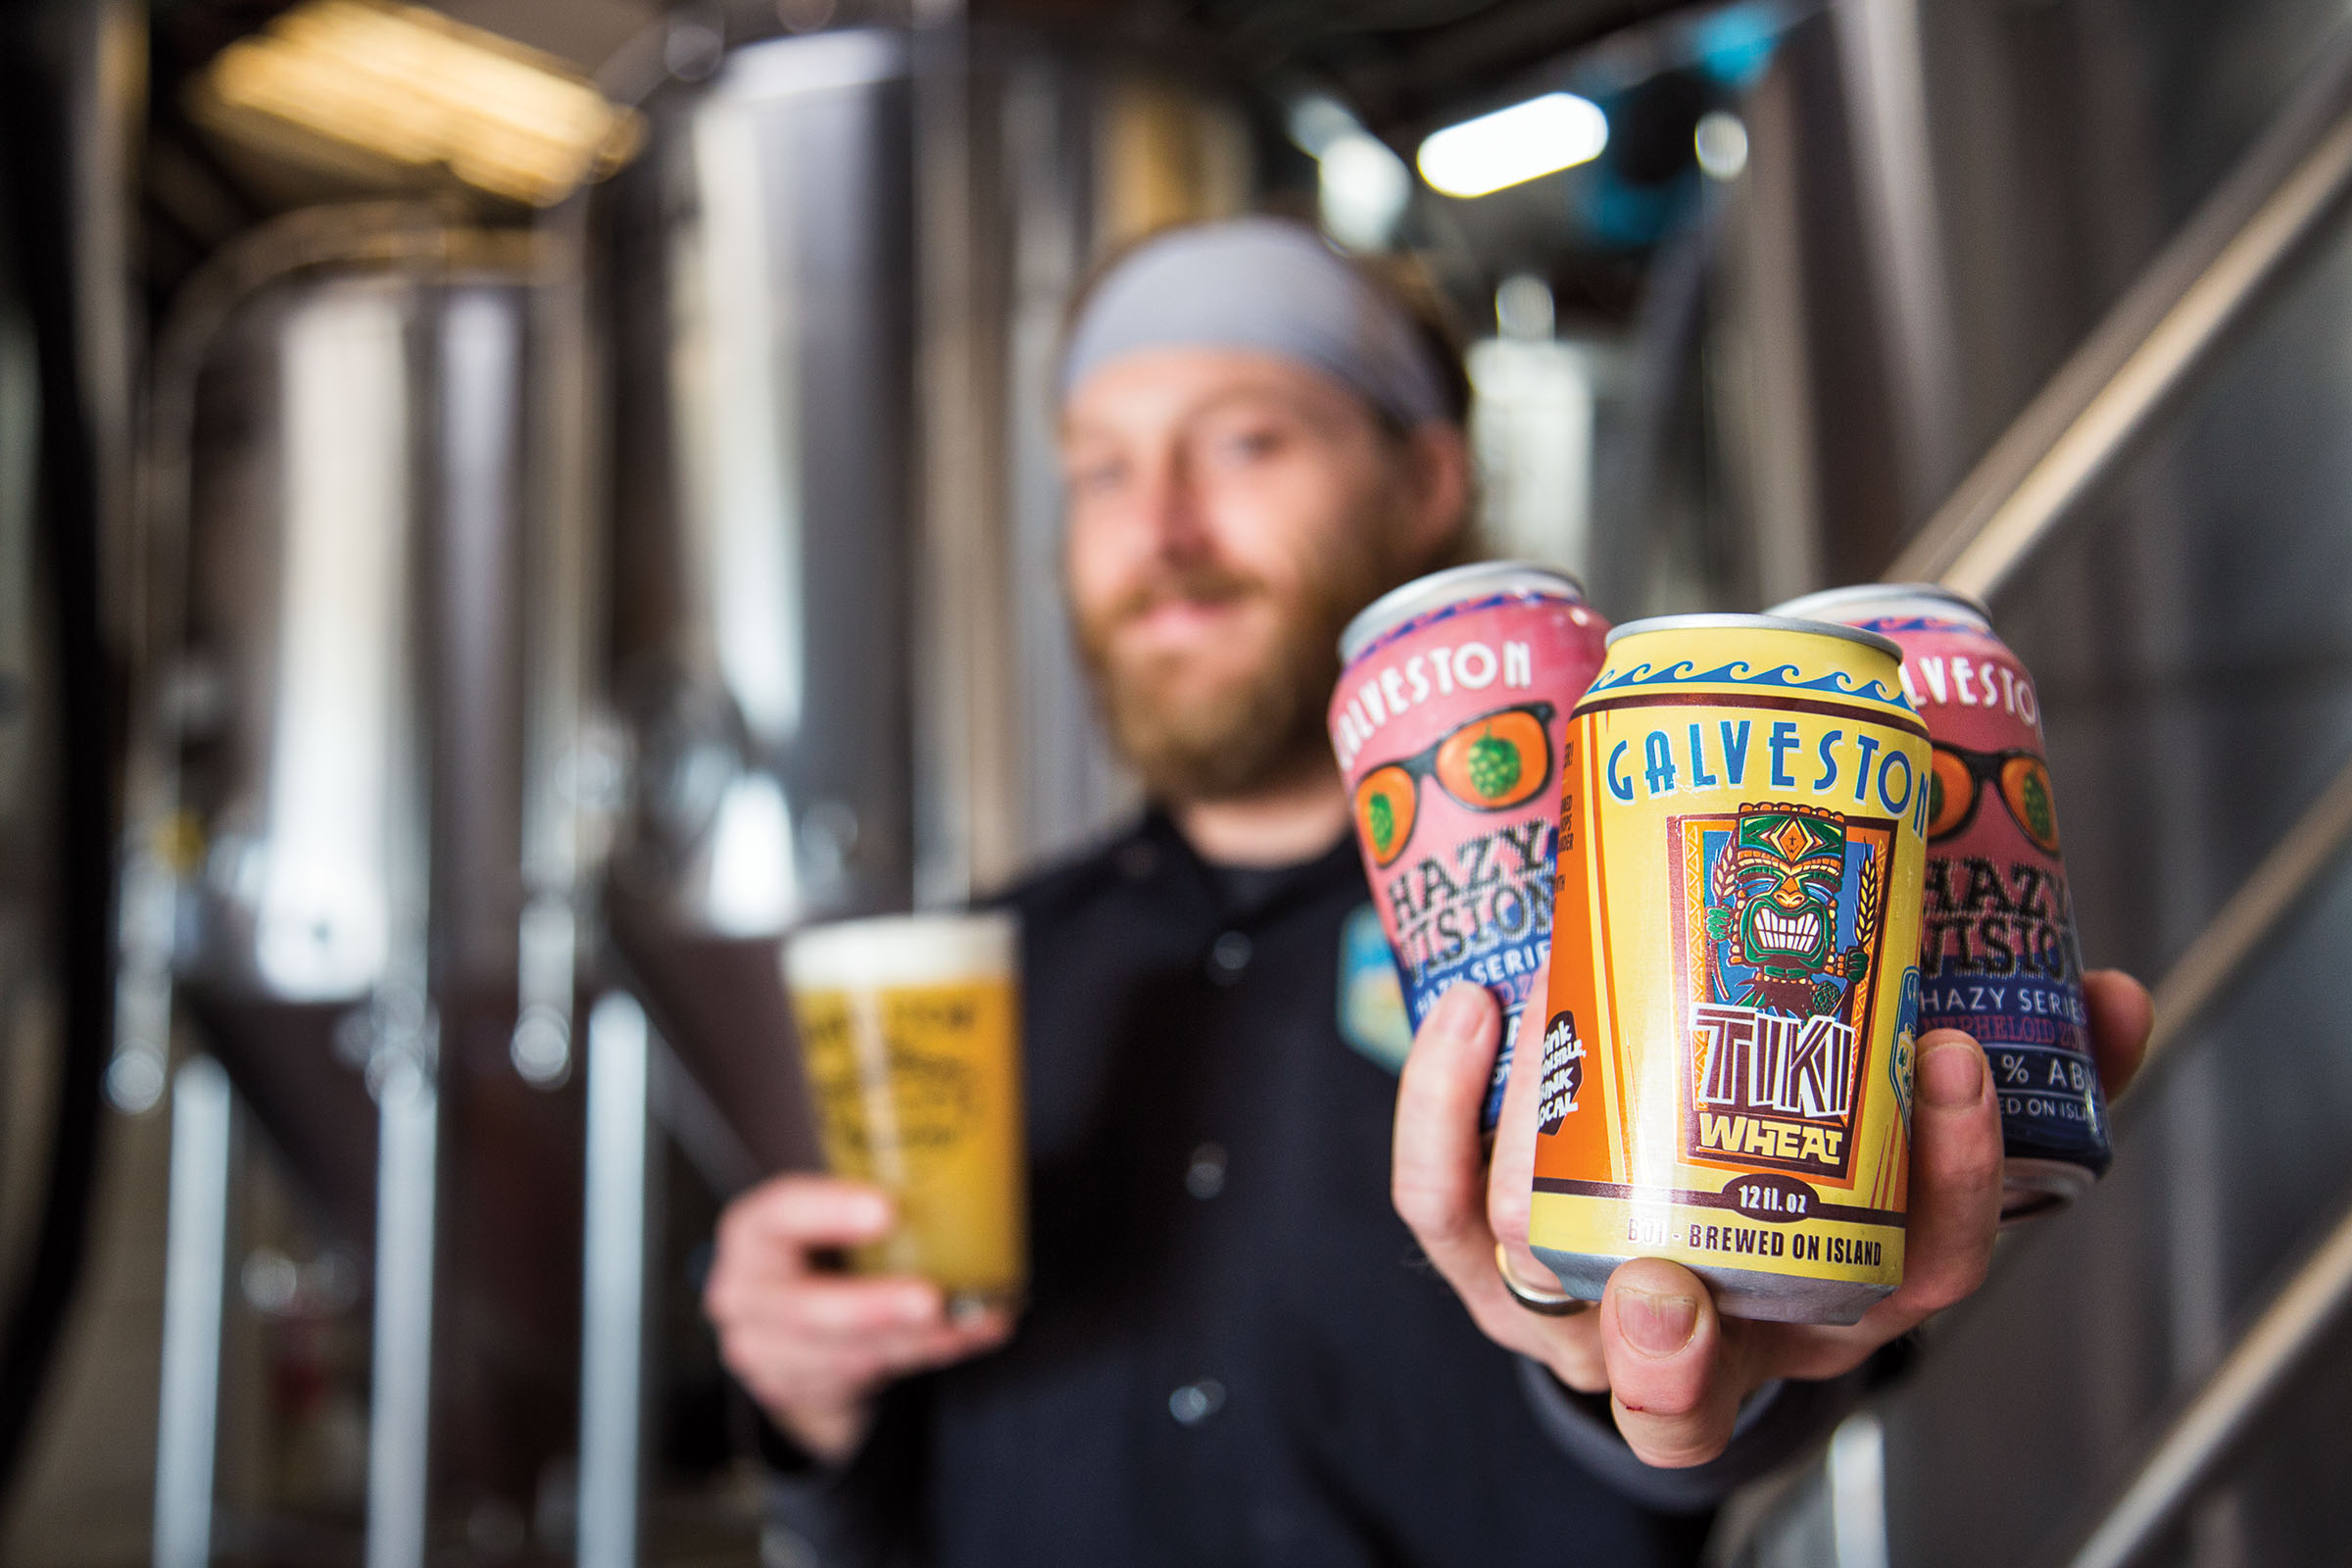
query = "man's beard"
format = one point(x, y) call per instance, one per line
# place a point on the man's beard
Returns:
point(1236, 738)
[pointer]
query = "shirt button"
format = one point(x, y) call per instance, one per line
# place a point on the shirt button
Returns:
point(1228, 957)
point(1196, 1402)
point(1205, 1177)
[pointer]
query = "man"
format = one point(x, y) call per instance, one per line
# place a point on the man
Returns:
point(1234, 1349)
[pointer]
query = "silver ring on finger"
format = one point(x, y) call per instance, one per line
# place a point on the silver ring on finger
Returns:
point(1546, 1304)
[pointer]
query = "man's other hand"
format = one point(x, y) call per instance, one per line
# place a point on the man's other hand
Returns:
point(814, 1346)
point(1674, 1369)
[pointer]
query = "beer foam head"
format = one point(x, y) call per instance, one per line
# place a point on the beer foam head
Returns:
point(901, 950)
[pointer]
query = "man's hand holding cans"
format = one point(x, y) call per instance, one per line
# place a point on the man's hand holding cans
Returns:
point(1677, 1370)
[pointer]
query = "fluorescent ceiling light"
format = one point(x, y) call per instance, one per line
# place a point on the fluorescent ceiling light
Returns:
point(370, 88)
point(1541, 136)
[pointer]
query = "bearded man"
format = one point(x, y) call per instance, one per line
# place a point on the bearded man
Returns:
point(1269, 1317)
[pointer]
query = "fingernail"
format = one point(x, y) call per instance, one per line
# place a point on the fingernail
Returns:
point(869, 1212)
point(1457, 1007)
point(916, 1306)
point(1951, 1075)
point(1656, 1324)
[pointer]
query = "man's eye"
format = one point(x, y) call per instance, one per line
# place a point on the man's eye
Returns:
point(1248, 446)
point(1094, 479)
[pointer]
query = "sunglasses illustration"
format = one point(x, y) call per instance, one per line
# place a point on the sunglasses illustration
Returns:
point(1491, 764)
point(1958, 779)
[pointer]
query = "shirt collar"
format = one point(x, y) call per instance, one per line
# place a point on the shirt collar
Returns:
point(1254, 892)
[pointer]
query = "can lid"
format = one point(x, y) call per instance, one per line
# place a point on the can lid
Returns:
point(1440, 588)
point(1863, 598)
point(1819, 628)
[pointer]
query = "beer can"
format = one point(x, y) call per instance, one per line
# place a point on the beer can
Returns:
point(1446, 724)
point(1728, 1042)
point(1998, 956)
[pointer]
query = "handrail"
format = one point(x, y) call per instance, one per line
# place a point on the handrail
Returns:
point(2238, 1392)
point(2256, 1371)
point(2165, 327)
point(2235, 935)
point(2282, 195)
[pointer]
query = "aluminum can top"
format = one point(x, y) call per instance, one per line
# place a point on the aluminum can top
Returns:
point(1868, 601)
point(1439, 589)
point(1774, 623)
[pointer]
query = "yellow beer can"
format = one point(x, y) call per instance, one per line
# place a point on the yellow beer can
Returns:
point(1735, 984)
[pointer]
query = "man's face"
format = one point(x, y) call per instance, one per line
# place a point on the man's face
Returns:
point(1228, 513)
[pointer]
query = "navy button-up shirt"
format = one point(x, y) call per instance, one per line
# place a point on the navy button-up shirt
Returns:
point(1233, 1351)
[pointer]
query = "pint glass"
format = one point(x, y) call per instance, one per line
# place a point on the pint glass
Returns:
point(910, 1033)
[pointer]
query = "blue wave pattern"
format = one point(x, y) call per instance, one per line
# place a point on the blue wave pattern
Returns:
point(1739, 673)
point(1896, 624)
point(1460, 607)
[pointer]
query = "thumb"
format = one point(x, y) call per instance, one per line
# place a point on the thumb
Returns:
point(1674, 1398)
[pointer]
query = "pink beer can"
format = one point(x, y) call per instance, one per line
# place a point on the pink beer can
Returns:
point(1447, 723)
point(1998, 955)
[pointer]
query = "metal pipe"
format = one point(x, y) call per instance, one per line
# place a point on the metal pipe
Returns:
point(613, 1299)
point(400, 1384)
point(1881, 49)
point(2227, 1405)
point(2235, 935)
point(2164, 328)
point(1857, 1474)
point(195, 1271)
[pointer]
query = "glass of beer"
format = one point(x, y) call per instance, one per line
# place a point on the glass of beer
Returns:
point(910, 1036)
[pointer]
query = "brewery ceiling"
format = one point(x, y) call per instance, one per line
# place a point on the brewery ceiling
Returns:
point(1403, 65)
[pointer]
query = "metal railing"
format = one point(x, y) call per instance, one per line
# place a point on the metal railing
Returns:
point(2287, 191)
point(2231, 1400)
point(2151, 344)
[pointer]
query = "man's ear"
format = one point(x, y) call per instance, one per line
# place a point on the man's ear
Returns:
point(1438, 487)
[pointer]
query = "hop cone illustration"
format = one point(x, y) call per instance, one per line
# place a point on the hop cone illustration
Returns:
point(1494, 767)
point(1382, 818)
point(2038, 815)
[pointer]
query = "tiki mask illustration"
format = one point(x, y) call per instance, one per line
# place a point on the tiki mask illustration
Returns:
point(1775, 904)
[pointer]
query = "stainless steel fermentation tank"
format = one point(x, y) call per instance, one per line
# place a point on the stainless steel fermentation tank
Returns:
point(836, 278)
point(353, 796)
point(715, 521)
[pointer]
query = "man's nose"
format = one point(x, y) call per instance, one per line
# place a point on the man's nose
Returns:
point(1172, 510)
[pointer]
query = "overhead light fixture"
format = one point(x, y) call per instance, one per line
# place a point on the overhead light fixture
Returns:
point(1361, 190)
point(387, 90)
point(1721, 144)
point(1541, 136)
point(1317, 121)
